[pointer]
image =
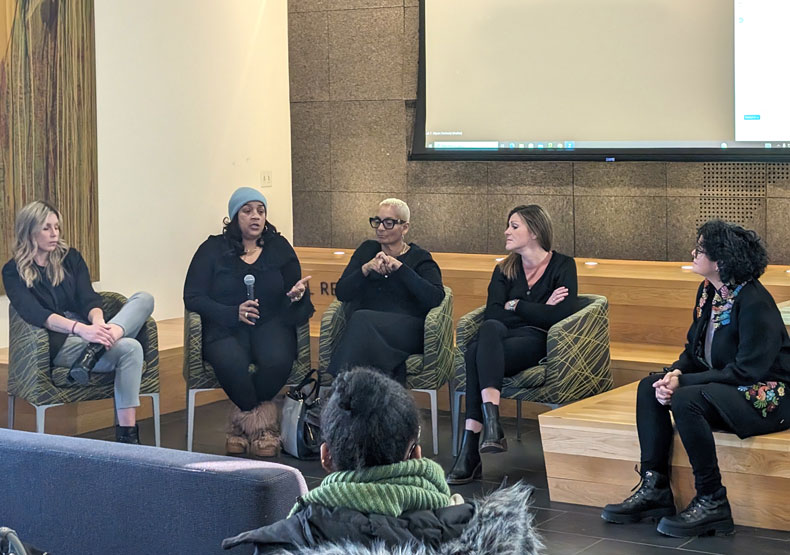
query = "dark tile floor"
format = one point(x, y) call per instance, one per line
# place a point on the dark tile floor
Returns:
point(566, 529)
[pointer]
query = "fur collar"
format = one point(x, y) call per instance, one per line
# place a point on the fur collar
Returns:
point(502, 524)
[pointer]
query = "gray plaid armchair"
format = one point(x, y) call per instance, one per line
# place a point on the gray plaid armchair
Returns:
point(576, 366)
point(33, 379)
point(426, 372)
point(199, 374)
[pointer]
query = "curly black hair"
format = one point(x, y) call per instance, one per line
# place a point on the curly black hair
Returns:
point(232, 233)
point(369, 420)
point(739, 253)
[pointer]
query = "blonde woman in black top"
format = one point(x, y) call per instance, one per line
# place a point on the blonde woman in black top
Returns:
point(532, 289)
point(49, 285)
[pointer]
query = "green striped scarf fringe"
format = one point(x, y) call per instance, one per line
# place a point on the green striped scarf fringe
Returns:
point(415, 484)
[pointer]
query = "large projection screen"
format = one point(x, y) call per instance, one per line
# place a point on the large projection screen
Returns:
point(604, 79)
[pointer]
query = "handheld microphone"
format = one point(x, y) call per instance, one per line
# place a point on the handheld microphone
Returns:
point(249, 281)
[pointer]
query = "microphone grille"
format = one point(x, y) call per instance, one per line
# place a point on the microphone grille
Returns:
point(249, 279)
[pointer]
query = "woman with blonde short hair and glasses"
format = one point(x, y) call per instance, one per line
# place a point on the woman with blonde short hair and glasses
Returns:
point(49, 286)
point(392, 285)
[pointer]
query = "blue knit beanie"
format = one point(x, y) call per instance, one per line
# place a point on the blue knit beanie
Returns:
point(242, 196)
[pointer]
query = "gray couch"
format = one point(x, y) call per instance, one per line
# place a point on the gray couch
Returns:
point(71, 495)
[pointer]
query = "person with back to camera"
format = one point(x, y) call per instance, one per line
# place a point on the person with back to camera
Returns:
point(48, 284)
point(532, 289)
point(238, 332)
point(381, 496)
point(731, 376)
point(392, 285)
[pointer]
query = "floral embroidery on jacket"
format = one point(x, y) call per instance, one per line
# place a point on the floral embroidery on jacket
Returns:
point(722, 303)
point(764, 396)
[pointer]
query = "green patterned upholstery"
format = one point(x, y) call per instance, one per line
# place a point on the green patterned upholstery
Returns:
point(577, 363)
point(199, 374)
point(429, 370)
point(31, 378)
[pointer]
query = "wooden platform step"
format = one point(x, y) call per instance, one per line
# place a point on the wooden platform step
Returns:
point(591, 447)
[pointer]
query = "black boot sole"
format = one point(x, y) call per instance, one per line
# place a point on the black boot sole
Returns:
point(80, 376)
point(622, 518)
point(477, 474)
point(494, 446)
point(716, 528)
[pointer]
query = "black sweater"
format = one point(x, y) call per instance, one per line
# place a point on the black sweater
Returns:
point(753, 347)
point(414, 289)
point(214, 286)
point(74, 294)
point(532, 309)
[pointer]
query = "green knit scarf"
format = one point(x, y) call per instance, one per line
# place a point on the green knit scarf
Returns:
point(392, 490)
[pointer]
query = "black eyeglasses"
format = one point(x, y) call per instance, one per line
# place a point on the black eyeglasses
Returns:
point(699, 250)
point(389, 223)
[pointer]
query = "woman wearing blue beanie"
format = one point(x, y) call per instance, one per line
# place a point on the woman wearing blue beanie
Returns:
point(238, 332)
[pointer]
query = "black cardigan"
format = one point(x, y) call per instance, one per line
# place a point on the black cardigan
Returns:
point(214, 285)
point(74, 294)
point(753, 347)
point(414, 289)
point(532, 309)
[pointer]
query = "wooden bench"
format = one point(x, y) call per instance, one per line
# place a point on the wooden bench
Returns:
point(591, 446)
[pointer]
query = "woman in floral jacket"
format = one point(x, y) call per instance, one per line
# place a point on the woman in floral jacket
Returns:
point(732, 375)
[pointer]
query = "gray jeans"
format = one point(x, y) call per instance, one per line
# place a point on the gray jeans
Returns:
point(126, 356)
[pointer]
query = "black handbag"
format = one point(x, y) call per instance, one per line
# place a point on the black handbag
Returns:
point(301, 418)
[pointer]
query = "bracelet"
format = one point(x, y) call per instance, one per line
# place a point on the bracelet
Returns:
point(74, 325)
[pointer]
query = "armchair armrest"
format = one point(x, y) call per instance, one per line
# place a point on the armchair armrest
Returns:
point(468, 326)
point(438, 340)
point(333, 324)
point(28, 357)
point(577, 361)
point(193, 345)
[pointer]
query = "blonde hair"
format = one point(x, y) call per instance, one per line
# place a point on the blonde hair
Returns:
point(539, 222)
point(29, 222)
point(401, 208)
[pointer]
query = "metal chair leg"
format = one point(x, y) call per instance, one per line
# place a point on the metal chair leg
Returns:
point(155, 400)
point(518, 420)
point(190, 417)
point(434, 417)
point(11, 400)
point(457, 421)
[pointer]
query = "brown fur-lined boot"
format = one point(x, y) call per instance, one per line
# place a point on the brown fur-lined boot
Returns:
point(261, 427)
point(235, 441)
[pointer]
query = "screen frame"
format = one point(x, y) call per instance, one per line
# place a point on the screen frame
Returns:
point(419, 152)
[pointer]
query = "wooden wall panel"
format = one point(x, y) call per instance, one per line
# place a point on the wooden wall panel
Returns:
point(48, 118)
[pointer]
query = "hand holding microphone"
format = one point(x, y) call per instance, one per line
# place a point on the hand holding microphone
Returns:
point(248, 310)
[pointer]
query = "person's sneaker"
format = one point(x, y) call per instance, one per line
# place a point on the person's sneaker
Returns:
point(706, 515)
point(653, 499)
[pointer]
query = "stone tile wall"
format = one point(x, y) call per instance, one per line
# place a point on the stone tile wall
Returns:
point(353, 72)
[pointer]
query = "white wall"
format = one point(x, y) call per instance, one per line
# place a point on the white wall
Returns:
point(192, 102)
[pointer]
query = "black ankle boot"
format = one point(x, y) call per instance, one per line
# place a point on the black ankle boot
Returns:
point(706, 514)
point(80, 372)
point(467, 466)
point(652, 499)
point(127, 434)
point(493, 437)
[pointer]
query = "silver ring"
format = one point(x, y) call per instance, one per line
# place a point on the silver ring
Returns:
point(245, 315)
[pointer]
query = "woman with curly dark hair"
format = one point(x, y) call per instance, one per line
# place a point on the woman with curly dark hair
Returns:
point(238, 331)
point(732, 375)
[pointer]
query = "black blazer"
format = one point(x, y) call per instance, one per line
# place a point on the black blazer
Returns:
point(74, 294)
point(214, 285)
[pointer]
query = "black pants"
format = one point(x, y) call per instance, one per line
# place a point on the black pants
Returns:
point(499, 352)
point(271, 346)
point(695, 417)
point(380, 340)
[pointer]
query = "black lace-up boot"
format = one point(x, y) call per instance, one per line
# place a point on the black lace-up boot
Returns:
point(706, 515)
point(467, 466)
point(127, 434)
point(653, 498)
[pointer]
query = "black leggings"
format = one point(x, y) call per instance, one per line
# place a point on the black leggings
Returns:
point(271, 346)
point(695, 417)
point(380, 340)
point(499, 352)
